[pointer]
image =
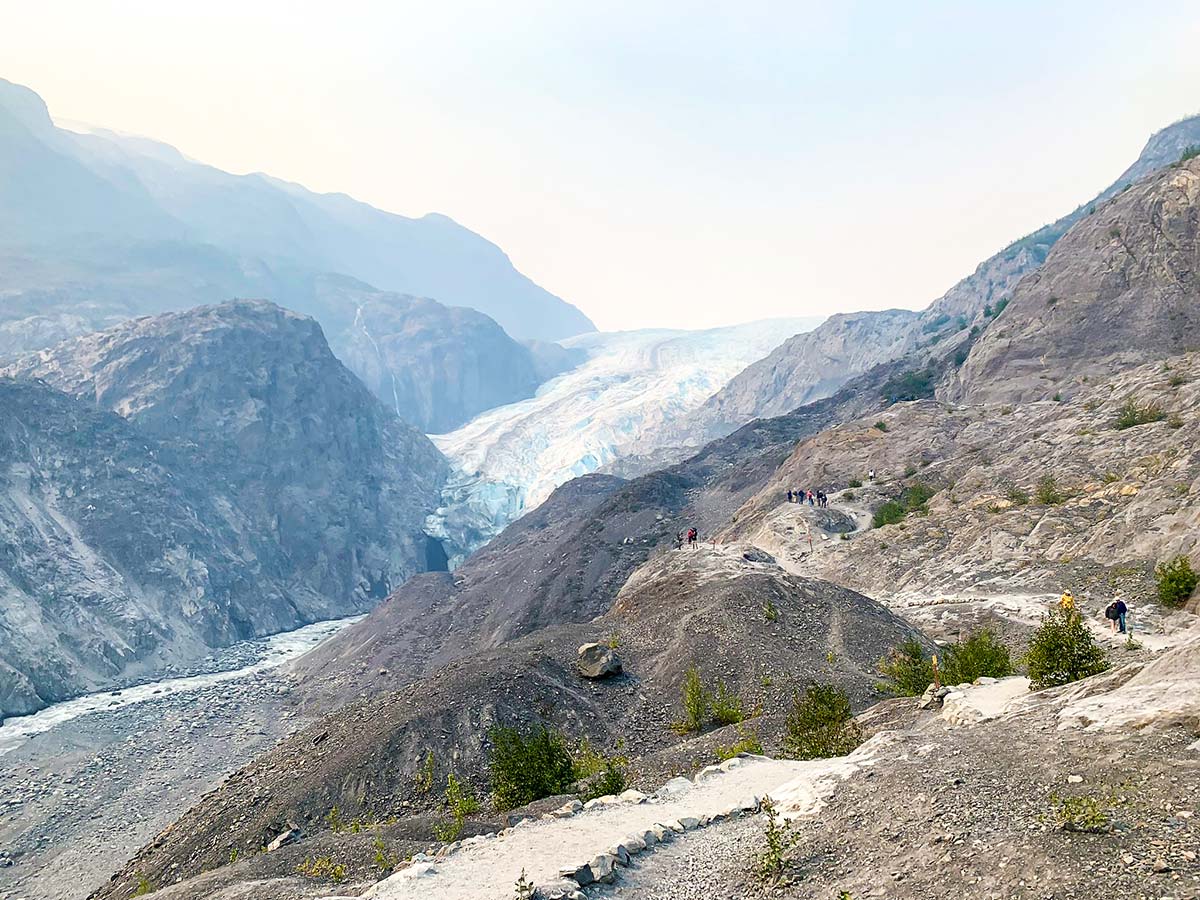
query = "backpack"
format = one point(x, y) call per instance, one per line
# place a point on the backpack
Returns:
point(1111, 611)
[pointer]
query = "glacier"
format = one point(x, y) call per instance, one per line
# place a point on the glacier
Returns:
point(630, 385)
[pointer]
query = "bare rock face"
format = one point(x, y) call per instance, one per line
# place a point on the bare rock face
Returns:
point(1118, 290)
point(597, 661)
point(246, 484)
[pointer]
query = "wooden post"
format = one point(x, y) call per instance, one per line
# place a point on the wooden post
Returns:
point(937, 675)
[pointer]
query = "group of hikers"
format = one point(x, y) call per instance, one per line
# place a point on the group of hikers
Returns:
point(818, 498)
point(1115, 612)
point(692, 537)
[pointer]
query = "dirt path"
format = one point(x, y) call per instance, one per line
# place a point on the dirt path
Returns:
point(487, 869)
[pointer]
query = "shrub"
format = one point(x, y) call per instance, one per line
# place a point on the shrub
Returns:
point(528, 767)
point(524, 888)
point(1016, 496)
point(1000, 304)
point(820, 724)
point(726, 706)
point(1058, 398)
point(910, 470)
point(771, 864)
point(1176, 579)
point(907, 670)
point(322, 867)
point(1130, 414)
point(1190, 153)
point(1175, 420)
point(1086, 815)
point(598, 775)
point(889, 513)
point(914, 384)
point(747, 742)
point(850, 495)
point(1176, 379)
point(855, 483)
point(1047, 492)
point(980, 655)
point(461, 803)
point(424, 775)
point(881, 425)
point(771, 611)
point(696, 703)
point(1062, 650)
point(144, 887)
point(917, 495)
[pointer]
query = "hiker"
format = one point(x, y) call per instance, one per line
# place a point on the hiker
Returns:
point(823, 498)
point(871, 475)
point(679, 540)
point(692, 536)
point(811, 499)
point(790, 495)
point(1115, 613)
point(1067, 603)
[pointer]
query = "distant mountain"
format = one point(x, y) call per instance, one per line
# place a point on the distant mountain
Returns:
point(101, 225)
point(185, 481)
point(814, 365)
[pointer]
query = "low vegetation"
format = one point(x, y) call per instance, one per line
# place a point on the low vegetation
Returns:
point(702, 707)
point(915, 384)
point(773, 862)
point(747, 742)
point(1190, 153)
point(1176, 580)
point(1063, 650)
point(1048, 493)
point(524, 889)
point(597, 775)
point(880, 425)
point(528, 767)
point(1082, 814)
point(323, 867)
point(914, 499)
point(144, 887)
point(461, 802)
point(908, 669)
point(1131, 414)
point(820, 724)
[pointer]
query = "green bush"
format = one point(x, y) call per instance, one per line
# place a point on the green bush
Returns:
point(981, 655)
point(598, 775)
point(1085, 815)
point(1017, 497)
point(880, 425)
point(1190, 153)
point(914, 384)
point(1131, 414)
point(528, 767)
point(726, 706)
point(855, 483)
point(770, 611)
point(916, 496)
point(144, 887)
point(889, 513)
point(696, 703)
point(1176, 580)
point(1047, 492)
point(820, 724)
point(1063, 650)
point(771, 864)
point(461, 802)
point(747, 742)
point(907, 671)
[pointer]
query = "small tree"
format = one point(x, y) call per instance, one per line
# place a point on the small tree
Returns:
point(906, 670)
point(1130, 414)
point(1048, 493)
point(696, 703)
point(821, 724)
point(529, 767)
point(1176, 580)
point(726, 706)
point(1063, 650)
point(980, 655)
point(889, 513)
point(773, 861)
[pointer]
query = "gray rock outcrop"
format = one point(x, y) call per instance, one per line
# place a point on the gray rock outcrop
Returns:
point(597, 661)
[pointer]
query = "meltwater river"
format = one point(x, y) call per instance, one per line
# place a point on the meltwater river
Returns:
point(266, 652)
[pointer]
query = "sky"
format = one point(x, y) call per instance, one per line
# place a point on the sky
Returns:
point(656, 163)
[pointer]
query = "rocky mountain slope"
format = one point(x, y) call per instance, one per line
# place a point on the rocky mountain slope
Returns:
point(250, 484)
point(814, 365)
point(105, 211)
point(365, 758)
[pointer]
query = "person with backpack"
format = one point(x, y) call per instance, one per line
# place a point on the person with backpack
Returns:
point(1116, 613)
point(1067, 602)
point(692, 536)
point(679, 540)
point(790, 495)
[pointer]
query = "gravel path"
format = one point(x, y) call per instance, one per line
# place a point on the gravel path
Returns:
point(488, 869)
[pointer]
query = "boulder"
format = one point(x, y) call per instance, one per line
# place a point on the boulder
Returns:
point(598, 661)
point(755, 555)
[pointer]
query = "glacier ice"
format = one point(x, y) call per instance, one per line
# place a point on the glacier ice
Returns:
point(632, 383)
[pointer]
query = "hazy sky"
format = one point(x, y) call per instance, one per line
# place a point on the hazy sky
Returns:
point(656, 163)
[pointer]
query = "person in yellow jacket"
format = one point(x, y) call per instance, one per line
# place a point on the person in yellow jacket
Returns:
point(1067, 603)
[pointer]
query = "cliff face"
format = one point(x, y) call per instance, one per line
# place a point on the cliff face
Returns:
point(248, 483)
point(1120, 289)
point(437, 366)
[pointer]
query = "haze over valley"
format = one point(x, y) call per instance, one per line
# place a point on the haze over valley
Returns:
point(339, 558)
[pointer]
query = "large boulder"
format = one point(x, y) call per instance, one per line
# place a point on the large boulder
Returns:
point(598, 661)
